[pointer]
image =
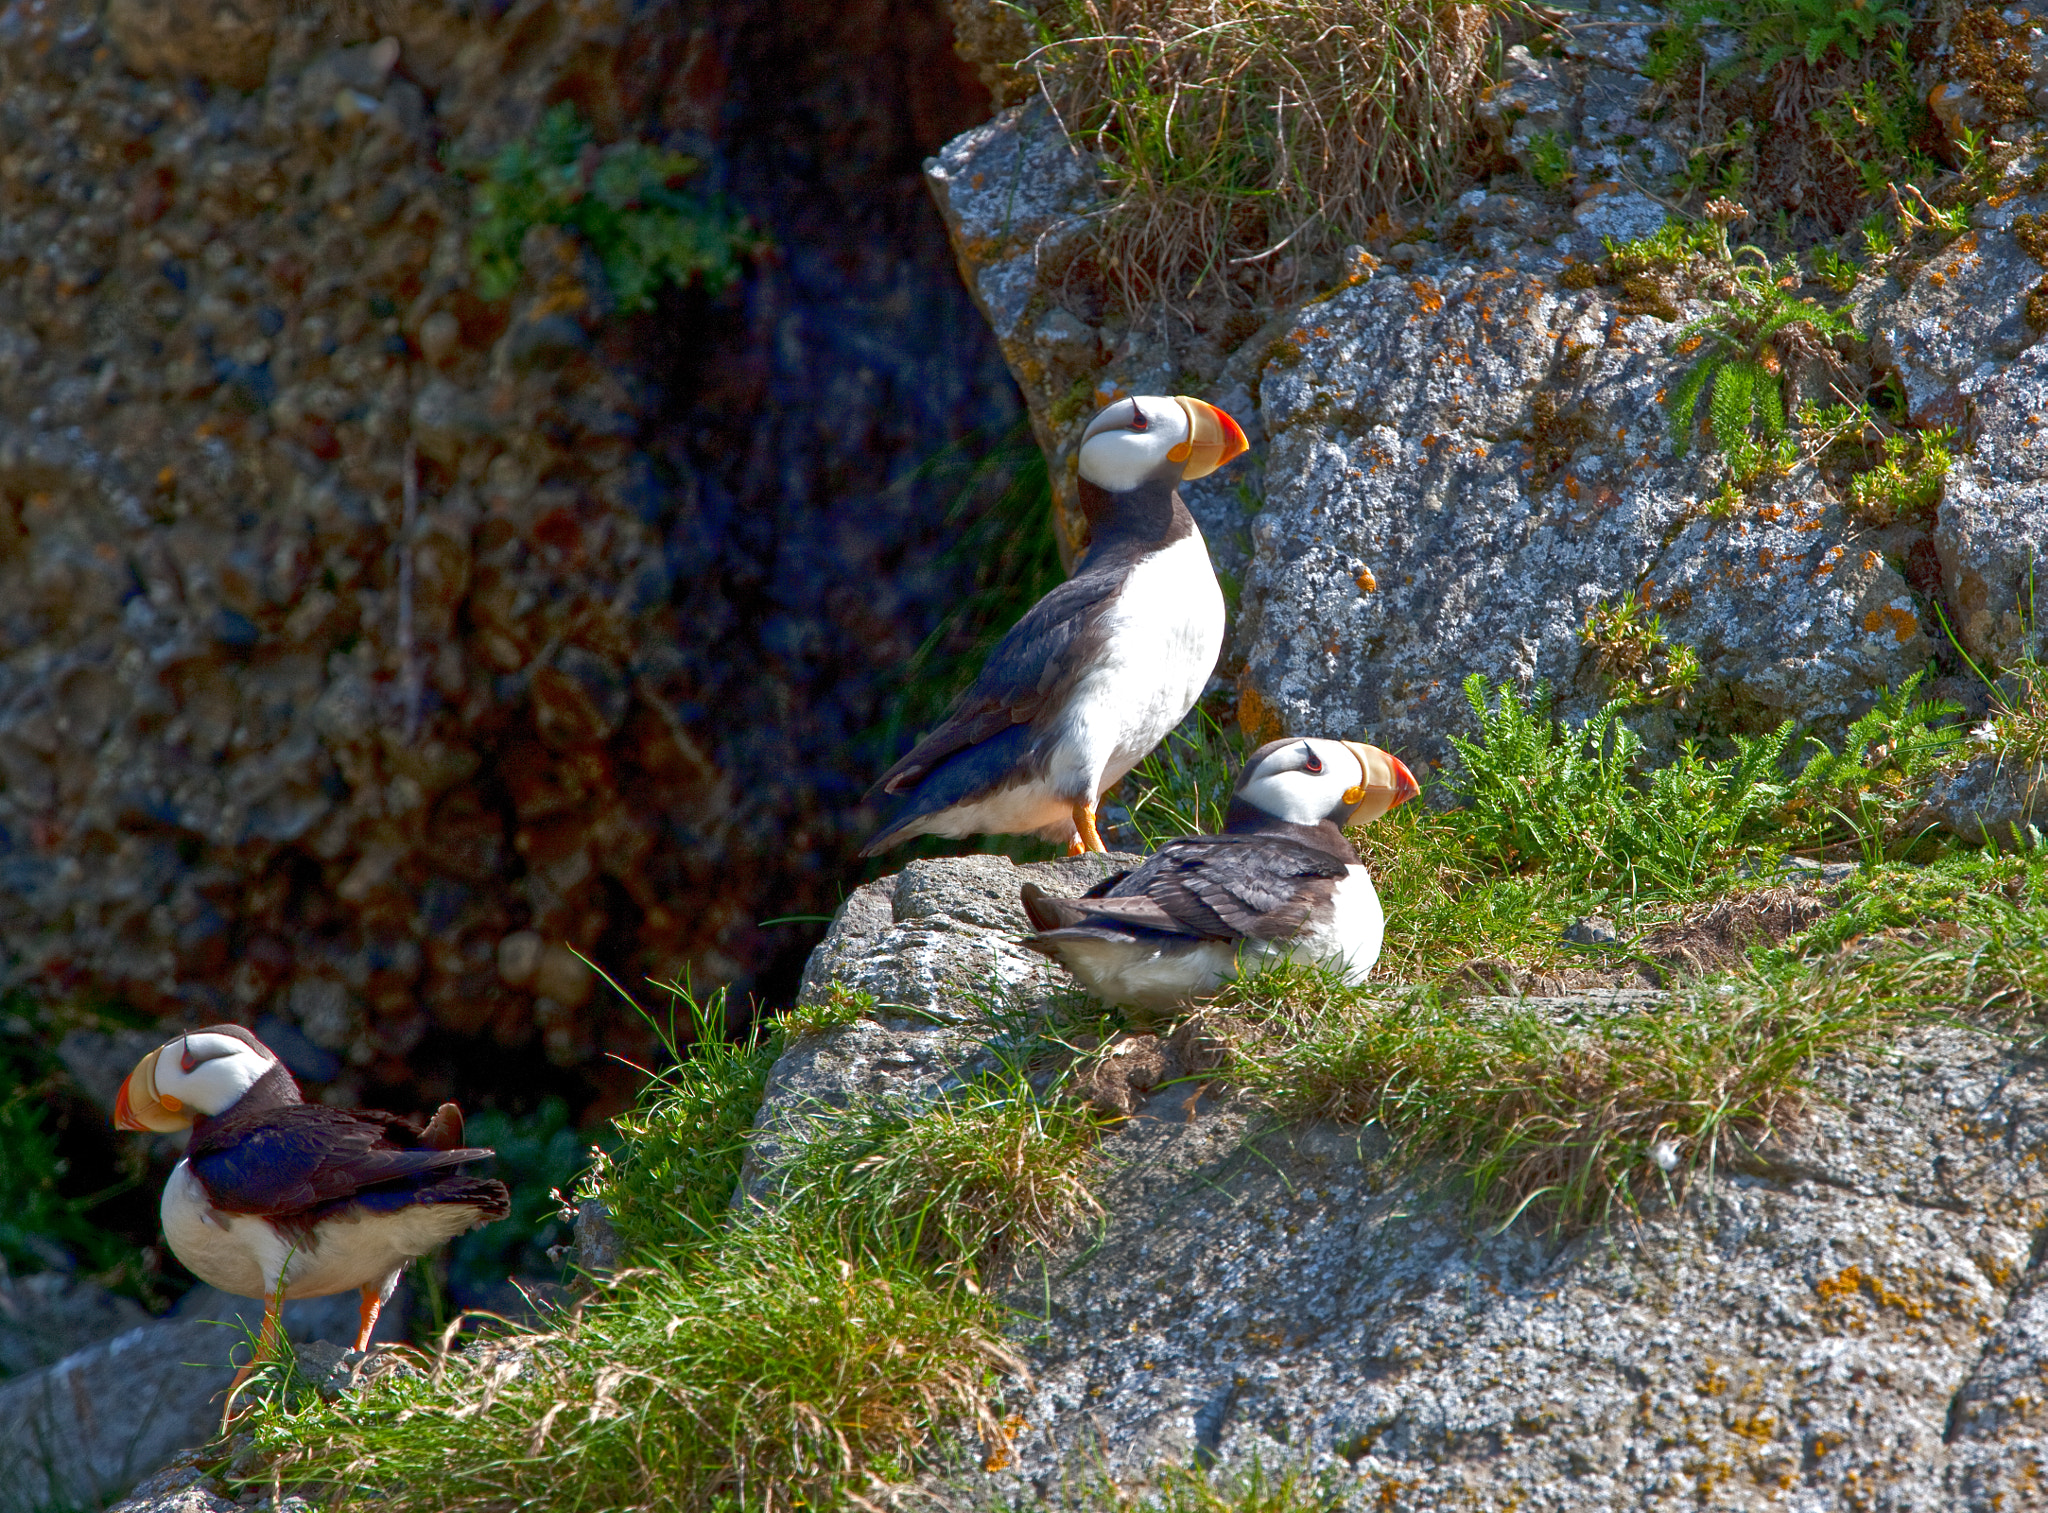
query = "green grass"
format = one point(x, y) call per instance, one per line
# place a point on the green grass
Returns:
point(1241, 137)
point(1571, 1125)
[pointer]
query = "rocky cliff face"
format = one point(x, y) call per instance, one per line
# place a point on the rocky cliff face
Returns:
point(1462, 445)
point(1855, 1321)
point(369, 645)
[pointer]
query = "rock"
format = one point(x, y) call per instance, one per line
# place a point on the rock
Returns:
point(48, 1315)
point(223, 703)
point(1962, 320)
point(1593, 930)
point(596, 1250)
point(222, 41)
point(85, 1428)
point(907, 937)
point(1851, 1312)
point(1991, 800)
point(1620, 215)
point(1487, 450)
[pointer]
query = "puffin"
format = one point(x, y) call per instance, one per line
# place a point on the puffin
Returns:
point(1280, 883)
point(1100, 669)
point(277, 1198)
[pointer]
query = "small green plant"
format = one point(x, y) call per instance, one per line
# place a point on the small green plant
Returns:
point(1538, 796)
point(1876, 780)
point(839, 1007)
point(955, 1183)
point(1549, 163)
point(1839, 273)
point(1775, 31)
point(627, 202)
point(1634, 656)
point(1572, 1126)
point(1743, 342)
point(1908, 481)
point(1878, 240)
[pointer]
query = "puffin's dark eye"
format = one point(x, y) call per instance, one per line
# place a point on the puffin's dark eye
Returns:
point(1138, 420)
point(1312, 764)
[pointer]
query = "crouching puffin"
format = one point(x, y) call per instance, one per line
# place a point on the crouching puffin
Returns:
point(280, 1198)
point(1280, 882)
point(1101, 668)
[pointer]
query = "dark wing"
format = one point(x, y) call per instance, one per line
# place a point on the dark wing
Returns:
point(281, 1161)
point(1031, 668)
point(1206, 887)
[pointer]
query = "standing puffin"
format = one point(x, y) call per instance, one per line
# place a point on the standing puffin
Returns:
point(274, 1190)
point(1101, 668)
point(1280, 882)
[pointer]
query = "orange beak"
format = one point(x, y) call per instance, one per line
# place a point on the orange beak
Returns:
point(1213, 438)
point(138, 1106)
point(1384, 783)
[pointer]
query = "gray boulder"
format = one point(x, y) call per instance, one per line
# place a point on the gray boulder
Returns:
point(1463, 466)
point(85, 1429)
point(1851, 1315)
point(1990, 799)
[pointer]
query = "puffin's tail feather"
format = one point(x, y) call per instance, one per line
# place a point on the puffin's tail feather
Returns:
point(444, 1130)
point(971, 773)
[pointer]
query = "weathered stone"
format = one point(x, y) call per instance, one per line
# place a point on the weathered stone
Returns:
point(1953, 330)
point(226, 43)
point(48, 1315)
point(905, 938)
point(1463, 467)
point(1849, 1315)
point(84, 1429)
point(1991, 800)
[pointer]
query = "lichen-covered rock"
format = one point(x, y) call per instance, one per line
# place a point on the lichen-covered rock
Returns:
point(1850, 1316)
point(1792, 1337)
point(1991, 799)
point(1464, 463)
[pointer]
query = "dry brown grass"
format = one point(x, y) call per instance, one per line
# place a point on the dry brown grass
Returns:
point(1244, 136)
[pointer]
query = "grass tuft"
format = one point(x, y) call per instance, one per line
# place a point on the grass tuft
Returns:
point(1235, 132)
point(956, 1183)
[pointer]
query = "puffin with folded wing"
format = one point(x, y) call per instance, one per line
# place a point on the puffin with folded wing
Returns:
point(1100, 669)
point(1280, 882)
point(280, 1198)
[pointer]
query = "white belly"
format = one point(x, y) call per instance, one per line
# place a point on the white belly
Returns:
point(246, 1256)
point(1161, 639)
point(1348, 940)
point(1159, 976)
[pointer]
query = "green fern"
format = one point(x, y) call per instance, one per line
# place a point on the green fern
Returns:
point(1739, 363)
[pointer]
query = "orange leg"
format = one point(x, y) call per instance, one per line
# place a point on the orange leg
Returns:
point(372, 1304)
point(1084, 823)
point(266, 1346)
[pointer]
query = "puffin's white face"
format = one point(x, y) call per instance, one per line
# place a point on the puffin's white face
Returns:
point(1308, 779)
point(202, 1073)
point(1137, 438)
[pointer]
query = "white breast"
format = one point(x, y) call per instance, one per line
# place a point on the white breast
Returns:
point(1161, 637)
point(1348, 937)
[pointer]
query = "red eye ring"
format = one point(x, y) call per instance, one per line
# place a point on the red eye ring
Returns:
point(1138, 420)
point(1312, 764)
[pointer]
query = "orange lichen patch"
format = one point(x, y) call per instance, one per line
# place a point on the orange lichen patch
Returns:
point(1366, 582)
point(1871, 561)
point(1770, 512)
point(1903, 626)
point(1571, 486)
point(1764, 558)
point(1853, 1282)
point(1689, 345)
point(1432, 299)
point(1259, 723)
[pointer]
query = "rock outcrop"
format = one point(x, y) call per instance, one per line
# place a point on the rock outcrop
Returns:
point(369, 646)
point(1462, 446)
point(1855, 1319)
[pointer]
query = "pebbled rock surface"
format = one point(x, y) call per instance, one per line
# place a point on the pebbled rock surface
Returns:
point(1466, 461)
point(1855, 1320)
point(251, 770)
point(84, 1429)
